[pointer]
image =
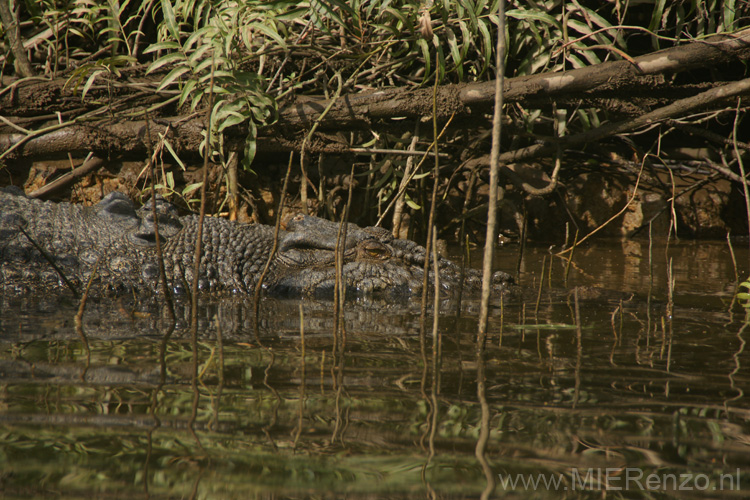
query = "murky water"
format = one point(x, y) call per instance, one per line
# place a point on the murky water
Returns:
point(576, 393)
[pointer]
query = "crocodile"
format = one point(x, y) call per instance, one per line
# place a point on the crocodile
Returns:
point(42, 241)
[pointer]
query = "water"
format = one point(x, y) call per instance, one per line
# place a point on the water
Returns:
point(629, 392)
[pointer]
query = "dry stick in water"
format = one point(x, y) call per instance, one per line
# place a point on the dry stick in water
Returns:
point(650, 275)
point(740, 163)
point(426, 272)
point(339, 297)
point(570, 258)
point(272, 253)
point(339, 288)
point(522, 246)
point(541, 285)
point(494, 167)
point(435, 363)
point(213, 425)
point(197, 265)
point(734, 260)
point(433, 204)
point(159, 253)
point(480, 451)
point(437, 339)
point(579, 350)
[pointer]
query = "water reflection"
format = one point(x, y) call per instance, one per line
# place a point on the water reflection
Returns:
point(590, 396)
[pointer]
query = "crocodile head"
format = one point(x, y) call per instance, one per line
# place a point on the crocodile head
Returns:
point(373, 263)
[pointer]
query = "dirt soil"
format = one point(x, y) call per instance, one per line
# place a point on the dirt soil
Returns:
point(585, 199)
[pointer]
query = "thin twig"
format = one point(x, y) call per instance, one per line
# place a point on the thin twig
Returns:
point(51, 262)
point(620, 212)
point(739, 161)
point(433, 146)
point(274, 249)
point(159, 251)
point(78, 318)
point(480, 451)
point(305, 181)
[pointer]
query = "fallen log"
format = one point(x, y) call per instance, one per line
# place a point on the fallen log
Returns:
point(121, 137)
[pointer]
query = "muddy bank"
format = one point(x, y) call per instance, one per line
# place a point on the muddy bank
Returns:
point(615, 199)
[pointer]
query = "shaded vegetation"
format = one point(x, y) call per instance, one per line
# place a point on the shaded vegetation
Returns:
point(130, 80)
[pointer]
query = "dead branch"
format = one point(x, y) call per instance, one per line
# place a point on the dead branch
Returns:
point(125, 137)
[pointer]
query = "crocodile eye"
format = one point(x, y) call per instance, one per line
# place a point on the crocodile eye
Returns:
point(373, 249)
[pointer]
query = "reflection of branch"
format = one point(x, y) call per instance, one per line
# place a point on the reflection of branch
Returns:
point(484, 424)
point(78, 319)
point(303, 381)
point(737, 366)
point(272, 389)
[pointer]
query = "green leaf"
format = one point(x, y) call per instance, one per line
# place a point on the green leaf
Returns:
point(218, 73)
point(401, 19)
point(233, 118)
point(266, 30)
point(199, 55)
point(472, 14)
point(466, 37)
point(187, 89)
point(90, 82)
point(196, 100)
point(487, 50)
point(534, 16)
point(250, 146)
point(455, 53)
point(440, 59)
point(190, 188)
point(193, 38)
point(412, 204)
point(174, 155)
point(729, 15)
point(656, 20)
point(579, 26)
point(172, 76)
point(201, 67)
point(169, 45)
point(164, 60)
point(169, 19)
point(422, 43)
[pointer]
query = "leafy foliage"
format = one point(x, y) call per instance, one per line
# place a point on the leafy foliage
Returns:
point(203, 61)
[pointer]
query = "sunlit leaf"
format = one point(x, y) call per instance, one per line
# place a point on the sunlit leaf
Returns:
point(164, 60)
point(169, 19)
point(172, 76)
